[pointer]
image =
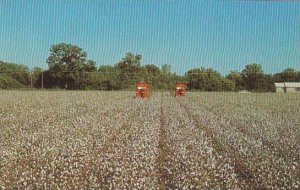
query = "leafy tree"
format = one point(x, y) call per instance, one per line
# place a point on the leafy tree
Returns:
point(18, 72)
point(7, 82)
point(152, 69)
point(266, 83)
point(109, 77)
point(166, 69)
point(213, 80)
point(165, 81)
point(91, 81)
point(68, 64)
point(143, 75)
point(227, 85)
point(37, 77)
point(196, 79)
point(173, 78)
point(288, 75)
point(237, 78)
point(252, 75)
point(207, 80)
point(152, 74)
point(89, 66)
point(253, 68)
point(128, 70)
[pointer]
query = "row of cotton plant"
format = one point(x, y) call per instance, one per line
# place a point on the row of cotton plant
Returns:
point(256, 134)
point(111, 140)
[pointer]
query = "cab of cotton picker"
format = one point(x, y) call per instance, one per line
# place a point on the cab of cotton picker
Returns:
point(142, 90)
point(180, 89)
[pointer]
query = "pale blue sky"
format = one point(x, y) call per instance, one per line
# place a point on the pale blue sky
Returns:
point(224, 35)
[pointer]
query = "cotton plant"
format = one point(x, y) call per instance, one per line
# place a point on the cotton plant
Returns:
point(111, 140)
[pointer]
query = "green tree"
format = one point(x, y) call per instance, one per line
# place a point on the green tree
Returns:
point(109, 77)
point(18, 72)
point(196, 78)
point(208, 80)
point(166, 69)
point(152, 69)
point(252, 75)
point(37, 77)
point(7, 82)
point(227, 85)
point(68, 64)
point(152, 75)
point(288, 75)
point(266, 83)
point(165, 77)
point(237, 78)
point(128, 70)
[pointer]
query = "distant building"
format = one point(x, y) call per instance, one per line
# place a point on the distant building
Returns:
point(288, 87)
point(280, 87)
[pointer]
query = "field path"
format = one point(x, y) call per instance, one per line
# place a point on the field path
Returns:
point(163, 174)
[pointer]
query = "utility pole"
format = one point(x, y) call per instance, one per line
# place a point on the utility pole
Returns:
point(42, 80)
point(31, 83)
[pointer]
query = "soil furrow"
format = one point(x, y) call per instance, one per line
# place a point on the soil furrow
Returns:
point(244, 173)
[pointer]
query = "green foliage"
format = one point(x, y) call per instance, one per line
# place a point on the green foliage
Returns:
point(128, 70)
point(7, 82)
point(253, 69)
point(208, 80)
point(16, 71)
point(166, 69)
point(266, 84)
point(68, 67)
point(152, 70)
point(108, 77)
point(288, 75)
point(253, 75)
point(227, 85)
point(237, 78)
point(36, 77)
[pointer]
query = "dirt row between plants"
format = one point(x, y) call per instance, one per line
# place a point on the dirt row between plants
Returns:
point(245, 174)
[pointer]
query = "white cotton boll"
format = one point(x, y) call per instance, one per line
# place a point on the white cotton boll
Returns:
point(119, 140)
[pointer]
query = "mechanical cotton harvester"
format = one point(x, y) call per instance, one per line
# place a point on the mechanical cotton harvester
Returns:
point(142, 90)
point(180, 89)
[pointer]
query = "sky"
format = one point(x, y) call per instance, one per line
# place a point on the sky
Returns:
point(224, 34)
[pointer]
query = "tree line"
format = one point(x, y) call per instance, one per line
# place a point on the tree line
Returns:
point(69, 68)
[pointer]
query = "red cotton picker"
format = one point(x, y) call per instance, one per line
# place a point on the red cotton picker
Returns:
point(142, 90)
point(180, 89)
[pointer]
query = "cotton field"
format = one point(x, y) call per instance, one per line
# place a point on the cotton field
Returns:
point(112, 140)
